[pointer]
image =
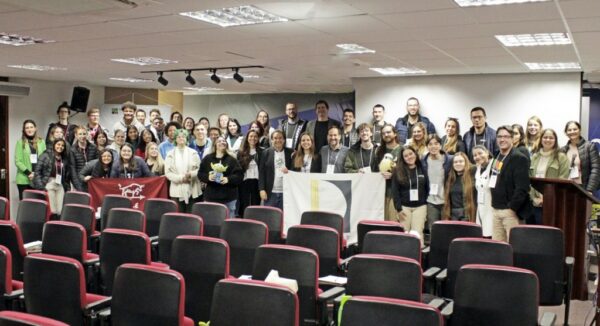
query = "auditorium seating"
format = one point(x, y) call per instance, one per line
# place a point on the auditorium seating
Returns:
point(154, 208)
point(35, 194)
point(148, 295)
point(442, 234)
point(272, 217)
point(4, 209)
point(15, 318)
point(8, 286)
point(126, 219)
point(10, 237)
point(202, 261)
point(392, 243)
point(173, 225)
point(323, 240)
point(329, 219)
point(365, 310)
point(77, 197)
point(249, 302)
point(365, 226)
point(109, 202)
point(81, 214)
point(213, 215)
point(31, 216)
point(244, 237)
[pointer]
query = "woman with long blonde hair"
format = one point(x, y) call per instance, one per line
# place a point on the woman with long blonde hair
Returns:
point(305, 157)
point(418, 142)
point(452, 142)
point(154, 160)
point(459, 192)
point(533, 134)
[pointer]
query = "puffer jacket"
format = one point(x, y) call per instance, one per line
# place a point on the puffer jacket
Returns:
point(590, 164)
point(78, 158)
point(43, 171)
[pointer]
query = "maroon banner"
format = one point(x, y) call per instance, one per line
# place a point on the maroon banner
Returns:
point(138, 189)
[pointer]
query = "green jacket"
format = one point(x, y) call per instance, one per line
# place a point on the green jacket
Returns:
point(23, 162)
point(353, 158)
point(558, 168)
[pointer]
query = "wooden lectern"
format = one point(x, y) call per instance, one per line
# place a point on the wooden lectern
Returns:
point(568, 207)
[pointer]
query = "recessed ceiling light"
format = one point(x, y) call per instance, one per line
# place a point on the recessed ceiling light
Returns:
point(235, 16)
point(230, 76)
point(477, 3)
point(18, 40)
point(388, 71)
point(203, 89)
point(553, 65)
point(144, 61)
point(36, 67)
point(131, 79)
point(352, 48)
point(534, 39)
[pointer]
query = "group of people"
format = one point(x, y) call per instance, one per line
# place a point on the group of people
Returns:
point(482, 176)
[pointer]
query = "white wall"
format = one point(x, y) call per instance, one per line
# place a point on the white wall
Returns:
point(41, 104)
point(507, 98)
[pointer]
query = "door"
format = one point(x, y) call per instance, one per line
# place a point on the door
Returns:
point(4, 164)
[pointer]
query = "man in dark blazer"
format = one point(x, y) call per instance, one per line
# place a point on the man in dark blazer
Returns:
point(318, 128)
point(275, 162)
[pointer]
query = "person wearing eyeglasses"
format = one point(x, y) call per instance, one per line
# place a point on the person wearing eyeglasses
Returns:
point(480, 133)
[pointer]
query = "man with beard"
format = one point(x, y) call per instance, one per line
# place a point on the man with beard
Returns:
point(390, 148)
point(292, 127)
point(128, 109)
point(378, 123)
point(333, 155)
point(349, 136)
point(405, 124)
point(319, 128)
point(361, 155)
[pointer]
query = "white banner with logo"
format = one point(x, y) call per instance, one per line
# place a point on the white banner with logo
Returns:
point(355, 196)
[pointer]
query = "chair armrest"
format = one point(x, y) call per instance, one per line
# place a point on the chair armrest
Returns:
point(440, 279)
point(344, 264)
point(548, 319)
point(104, 317)
point(569, 261)
point(431, 272)
point(425, 256)
point(437, 303)
point(442, 276)
point(331, 293)
point(323, 299)
point(95, 307)
point(154, 239)
point(447, 311)
point(14, 295)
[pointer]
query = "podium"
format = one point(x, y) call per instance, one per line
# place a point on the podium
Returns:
point(568, 207)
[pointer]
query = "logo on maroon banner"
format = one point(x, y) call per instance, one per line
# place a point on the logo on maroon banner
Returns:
point(138, 190)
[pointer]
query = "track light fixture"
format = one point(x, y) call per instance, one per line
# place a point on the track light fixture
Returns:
point(162, 79)
point(239, 78)
point(214, 76)
point(189, 78)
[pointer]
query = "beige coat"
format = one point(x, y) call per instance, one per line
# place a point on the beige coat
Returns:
point(175, 173)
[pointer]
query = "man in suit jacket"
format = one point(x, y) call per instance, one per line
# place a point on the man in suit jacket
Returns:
point(275, 162)
point(333, 155)
point(292, 127)
point(318, 128)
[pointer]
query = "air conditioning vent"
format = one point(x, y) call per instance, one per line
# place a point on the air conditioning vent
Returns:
point(12, 89)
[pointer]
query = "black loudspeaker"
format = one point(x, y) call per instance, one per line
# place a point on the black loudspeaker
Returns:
point(80, 99)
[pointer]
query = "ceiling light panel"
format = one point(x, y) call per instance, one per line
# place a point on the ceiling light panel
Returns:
point(18, 40)
point(539, 39)
point(235, 16)
point(351, 48)
point(391, 71)
point(36, 67)
point(477, 3)
point(131, 79)
point(144, 61)
point(553, 65)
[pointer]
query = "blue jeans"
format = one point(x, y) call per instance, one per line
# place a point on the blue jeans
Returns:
point(231, 206)
point(275, 200)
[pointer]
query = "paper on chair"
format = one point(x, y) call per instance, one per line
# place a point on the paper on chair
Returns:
point(273, 277)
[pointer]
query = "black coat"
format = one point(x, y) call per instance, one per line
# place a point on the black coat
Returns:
point(216, 192)
point(78, 158)
point(512, 185)
point(266, 170)
point(45, 167)
point(590, 164)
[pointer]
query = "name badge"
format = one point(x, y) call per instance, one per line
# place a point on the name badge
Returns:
point(574, 172)
point(434, 189)
point(289, 142)
point(492, 182)
point(366, 169)
point(330, 169)
point(481, 197)
point(414, 194)
point(58, 179)
point(33, 158)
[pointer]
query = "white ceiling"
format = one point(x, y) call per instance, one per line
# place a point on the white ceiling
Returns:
point(299, 55)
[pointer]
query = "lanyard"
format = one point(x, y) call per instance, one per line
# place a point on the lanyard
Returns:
point(475, 137)
point(58, 166)
point(416, 177)
point(336, 155)
point(496, 169)
point(362, 163)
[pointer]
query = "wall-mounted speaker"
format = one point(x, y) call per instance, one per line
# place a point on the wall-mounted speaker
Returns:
point(80, 98)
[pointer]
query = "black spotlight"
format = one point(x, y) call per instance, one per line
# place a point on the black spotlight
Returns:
point(162, 79)
point(239, 78)
point(189, 78)
point(214, 77)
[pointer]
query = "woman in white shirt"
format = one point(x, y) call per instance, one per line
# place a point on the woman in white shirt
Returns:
point(482, 156)
point(181, 168)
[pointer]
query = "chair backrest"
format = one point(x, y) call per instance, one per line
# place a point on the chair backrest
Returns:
point(5, 272)
point(55, 288)
point(202, 261)
point(126, 218)
point(109, 202)
point(323, 240)
point(392, 243)
point(495, 295)
point(365, 226)
point(154, 208)
point(243, 237)
point(464, 251)
point(173, 225)
point(297, 263)
point(35, 194)
point(384, 276)
point(10, 237)
point(271, 216)
point(541, 249)
point(329, 219)
point(118, 247)
point(213, 215)
point(16, 318)
point(77, 197)
point(442, 234)
point(147, 295)
point(4, 209)
point(81, 214)
point(31, 216)
point(248, 302)
point(64, 239)
point(365, 310)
